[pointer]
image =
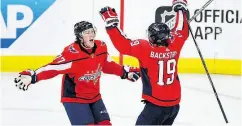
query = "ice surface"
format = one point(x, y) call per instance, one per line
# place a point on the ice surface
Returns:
point(40, 105)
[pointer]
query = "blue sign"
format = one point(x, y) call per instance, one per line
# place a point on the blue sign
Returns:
point(17, 16)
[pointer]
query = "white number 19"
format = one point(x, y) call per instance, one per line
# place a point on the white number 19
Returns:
point(170, 70)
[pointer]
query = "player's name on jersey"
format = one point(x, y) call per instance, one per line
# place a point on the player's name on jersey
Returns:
point(166, 55)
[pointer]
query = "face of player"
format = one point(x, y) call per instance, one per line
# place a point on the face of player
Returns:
point(88, 37)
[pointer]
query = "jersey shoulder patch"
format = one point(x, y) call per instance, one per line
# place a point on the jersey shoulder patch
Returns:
point(103, 43)
point(72, 49)
point(70, 52)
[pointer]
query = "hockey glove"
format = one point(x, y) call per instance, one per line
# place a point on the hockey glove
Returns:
point(130, 73)
point(109, 16)
point(24, 79)
point(179, 5)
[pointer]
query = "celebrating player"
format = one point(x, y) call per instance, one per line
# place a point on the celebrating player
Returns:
point(81, 63)
point(158, 59)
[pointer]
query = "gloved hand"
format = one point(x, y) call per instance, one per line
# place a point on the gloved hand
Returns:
point(109, 16)
point(179, 5)
point(130, 73)
point(24, 79)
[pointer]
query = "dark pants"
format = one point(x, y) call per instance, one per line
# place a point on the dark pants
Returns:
point(157, 115)
point(83, 114)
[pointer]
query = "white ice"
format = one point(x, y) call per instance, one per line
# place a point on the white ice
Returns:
point(40, 105)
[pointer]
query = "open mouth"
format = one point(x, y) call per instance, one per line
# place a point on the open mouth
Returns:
point(91, 40)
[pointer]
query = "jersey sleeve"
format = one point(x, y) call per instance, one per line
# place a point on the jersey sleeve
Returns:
point(110, 67)
point(180, 31)
point(123, 44)
point(181, 26)
point(60, 65)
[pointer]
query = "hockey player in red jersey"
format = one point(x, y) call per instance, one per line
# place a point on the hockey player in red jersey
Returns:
point(158, 58)
point(81, 63)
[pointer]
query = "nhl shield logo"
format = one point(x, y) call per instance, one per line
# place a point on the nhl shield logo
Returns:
point(166, 15)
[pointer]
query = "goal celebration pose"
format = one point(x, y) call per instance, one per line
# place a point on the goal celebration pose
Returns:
point(81, 64)
point(158, 58)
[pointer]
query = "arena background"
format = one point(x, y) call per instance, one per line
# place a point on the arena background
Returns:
point(34, 32)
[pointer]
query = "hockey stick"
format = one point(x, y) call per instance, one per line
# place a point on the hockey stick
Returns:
point(209, 77)
point(203, 62)
point(200, 10)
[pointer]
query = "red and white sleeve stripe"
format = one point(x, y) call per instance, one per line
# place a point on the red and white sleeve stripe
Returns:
point(50, 71)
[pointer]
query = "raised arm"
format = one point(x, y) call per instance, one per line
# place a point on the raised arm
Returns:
point(181, 26)
point(118, 38)
point(122, 43)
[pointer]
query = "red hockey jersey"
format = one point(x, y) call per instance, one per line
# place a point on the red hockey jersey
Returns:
point(82, 71)
point(158, 65)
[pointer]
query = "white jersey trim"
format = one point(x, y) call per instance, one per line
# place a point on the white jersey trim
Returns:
point(180, 21)
point(54, 67)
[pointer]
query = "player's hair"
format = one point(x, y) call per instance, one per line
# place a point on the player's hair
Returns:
point(78, 40)
point(79, 27)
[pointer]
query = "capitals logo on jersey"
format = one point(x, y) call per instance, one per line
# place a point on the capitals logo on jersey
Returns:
point(93, 76)
point(17, 16)
point(165, 14)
